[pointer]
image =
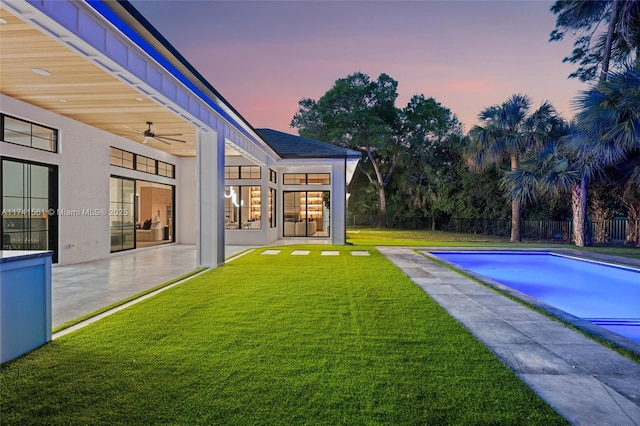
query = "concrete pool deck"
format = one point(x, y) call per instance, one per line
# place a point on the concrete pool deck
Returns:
point(585, 382)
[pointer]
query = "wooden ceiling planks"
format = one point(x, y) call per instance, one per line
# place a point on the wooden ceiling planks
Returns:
point(79, 89)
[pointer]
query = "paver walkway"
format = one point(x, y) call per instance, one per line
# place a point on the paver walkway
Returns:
point(582, 380)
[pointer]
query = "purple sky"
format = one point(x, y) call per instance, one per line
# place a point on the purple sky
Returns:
point(264, 56)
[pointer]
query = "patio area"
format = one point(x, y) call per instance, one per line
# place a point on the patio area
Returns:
point(82, 288)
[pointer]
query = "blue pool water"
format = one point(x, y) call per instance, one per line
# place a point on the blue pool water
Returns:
point(604, 294)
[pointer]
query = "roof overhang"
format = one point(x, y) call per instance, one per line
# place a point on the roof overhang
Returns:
point(77, 87)
point(110, 69)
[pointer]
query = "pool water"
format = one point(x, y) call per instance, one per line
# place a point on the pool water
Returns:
point(604, 294)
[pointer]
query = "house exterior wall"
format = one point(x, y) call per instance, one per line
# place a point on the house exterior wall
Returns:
point(83, 182)
point(83, 157)
point(266, 235)
point(83, 178)
point(336, 167)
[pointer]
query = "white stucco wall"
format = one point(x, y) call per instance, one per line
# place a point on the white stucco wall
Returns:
point(83, 177)
point(186, 200)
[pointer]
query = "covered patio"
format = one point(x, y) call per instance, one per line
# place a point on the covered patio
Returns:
point(82, 288)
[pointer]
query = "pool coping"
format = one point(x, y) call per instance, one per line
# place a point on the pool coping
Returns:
point(584, 381)
point(577, 322)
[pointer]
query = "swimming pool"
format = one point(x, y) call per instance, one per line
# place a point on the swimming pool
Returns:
point(604, 294)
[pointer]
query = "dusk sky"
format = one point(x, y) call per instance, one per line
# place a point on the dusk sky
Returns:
point(264, 56)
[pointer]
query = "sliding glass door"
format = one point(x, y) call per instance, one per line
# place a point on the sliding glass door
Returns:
point(122, 204)
point(29, 206)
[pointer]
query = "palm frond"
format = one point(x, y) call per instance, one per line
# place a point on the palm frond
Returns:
point(521, 186)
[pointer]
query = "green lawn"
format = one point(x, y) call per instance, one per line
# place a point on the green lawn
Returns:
point(268, 340)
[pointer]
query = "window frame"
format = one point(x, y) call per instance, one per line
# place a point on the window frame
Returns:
point(155, 170)
point(55, 133)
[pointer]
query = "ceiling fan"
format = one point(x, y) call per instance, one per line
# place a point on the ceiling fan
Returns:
point(150, 134)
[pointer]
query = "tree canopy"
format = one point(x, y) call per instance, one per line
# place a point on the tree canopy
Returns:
point(360, 113)
point(507, 132)
point(606, 32)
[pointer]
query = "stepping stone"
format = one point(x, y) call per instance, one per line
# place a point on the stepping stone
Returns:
point(359, 253)
point(330, 253)
point(300, 252)
point(271, 252)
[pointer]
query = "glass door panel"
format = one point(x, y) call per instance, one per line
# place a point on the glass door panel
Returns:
point(29, 195)
point(122, 204)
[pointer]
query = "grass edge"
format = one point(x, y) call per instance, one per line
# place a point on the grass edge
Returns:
point(121, 302)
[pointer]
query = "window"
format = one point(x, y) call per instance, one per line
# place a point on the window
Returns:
point(129, 160)
point(250, 172)
point(29, 134)
point(295, 178)
point(120, 158)
point(242, 207)
point(273, 176)
point(242, 172)
point(272, 208)
point(318, 179)
point(166, 169)
point(307, 179)
point(232, 172)
point(306, 214)
point(28, 201)
point(145, 164)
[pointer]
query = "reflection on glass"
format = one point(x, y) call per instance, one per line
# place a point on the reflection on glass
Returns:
point(121, 205)
point(25, 199)
point(306, 214)
point(28, 134)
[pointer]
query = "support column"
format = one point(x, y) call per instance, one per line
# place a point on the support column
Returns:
point(339, 203)
point(210, 198)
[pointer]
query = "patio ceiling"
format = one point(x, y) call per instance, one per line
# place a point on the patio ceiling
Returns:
point(80, 90)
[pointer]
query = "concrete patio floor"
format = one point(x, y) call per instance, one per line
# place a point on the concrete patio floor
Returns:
point(82, 288)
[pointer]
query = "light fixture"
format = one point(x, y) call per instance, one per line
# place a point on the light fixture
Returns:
point(40, 71)
point(139, 99)
point(3, 21)
point(64, 101)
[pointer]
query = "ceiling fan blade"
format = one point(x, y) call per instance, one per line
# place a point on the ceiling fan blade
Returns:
point(169, 139)
point(160, 140)
point(131, 129)
point(162, 135)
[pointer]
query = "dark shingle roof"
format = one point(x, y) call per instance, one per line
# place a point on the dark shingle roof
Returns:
point(290, 146)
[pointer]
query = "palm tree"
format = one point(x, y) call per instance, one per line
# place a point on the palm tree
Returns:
point(618, 44)
point(606, 33)
point(609, 120)
point(506, 133)
point(602, 144)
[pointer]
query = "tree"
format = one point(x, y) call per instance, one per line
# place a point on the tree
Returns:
point(427, 130)
point(509, 131)
point(358, 113)
point(607, 32)
point(602, 145)
point(618, 42)
point(609, 121)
